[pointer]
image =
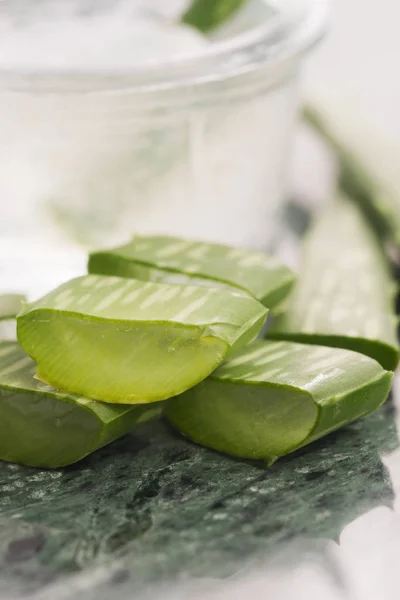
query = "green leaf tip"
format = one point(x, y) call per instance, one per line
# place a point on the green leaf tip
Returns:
point(179, 261)
point(128, 341)
point(41, 426)
point(207, 15)
point(272, 398)
point(345, 294)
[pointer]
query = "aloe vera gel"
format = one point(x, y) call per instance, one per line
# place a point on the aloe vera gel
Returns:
point(127, 341)
point(271, 398)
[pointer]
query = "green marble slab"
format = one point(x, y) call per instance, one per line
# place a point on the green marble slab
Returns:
point(155, 508)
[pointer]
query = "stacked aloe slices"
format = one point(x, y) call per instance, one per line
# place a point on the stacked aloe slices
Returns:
point(109, 349)
point(126, 342)
point(273, 397)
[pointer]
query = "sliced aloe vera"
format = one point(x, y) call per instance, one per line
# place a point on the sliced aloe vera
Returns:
point(174, 260)
point(10, 305)
point(271, 398)
point(43, 427)
point(127, 341)
point(206, 15)
point(345, 294)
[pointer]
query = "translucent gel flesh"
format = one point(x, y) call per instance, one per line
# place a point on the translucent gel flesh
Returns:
point(117, 362)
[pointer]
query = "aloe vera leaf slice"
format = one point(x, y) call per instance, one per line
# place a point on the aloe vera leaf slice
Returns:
point(345, 294)
point(206, 15)
point(41, 426)
point(271, 398)
point(359, 181)
point(178, 261)
point(128, 341)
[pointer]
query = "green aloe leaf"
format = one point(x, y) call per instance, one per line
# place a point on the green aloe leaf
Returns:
point(44, 427)
point(345, 294)
point(206, 15)
point(10, 305)
point(359, 181)
point(271, 398)
point(128, 341)
point(174, 260)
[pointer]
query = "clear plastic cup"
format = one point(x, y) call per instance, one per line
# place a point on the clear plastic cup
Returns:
point(194, 144)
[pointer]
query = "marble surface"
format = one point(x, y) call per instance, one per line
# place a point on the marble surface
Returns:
point(154, 511)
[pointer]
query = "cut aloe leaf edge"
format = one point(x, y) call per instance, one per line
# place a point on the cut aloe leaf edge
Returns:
point(272, 398)
point(345, 293)
point(178, 261)
point(127, 341)
point(44, 427)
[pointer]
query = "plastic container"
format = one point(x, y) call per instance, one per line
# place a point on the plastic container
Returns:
point(195, 145)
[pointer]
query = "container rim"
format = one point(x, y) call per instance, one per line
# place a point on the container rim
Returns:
point(294, 28)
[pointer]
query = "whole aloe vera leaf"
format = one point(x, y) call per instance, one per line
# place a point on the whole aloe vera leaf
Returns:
point(127, 341)
point(271, 398)
point(206, 15)
point(44, 427)
point(174, 260)
point(344, 294)
point(359, 181)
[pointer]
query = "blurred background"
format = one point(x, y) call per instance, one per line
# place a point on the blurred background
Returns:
point(353, 78)
point(354, 73)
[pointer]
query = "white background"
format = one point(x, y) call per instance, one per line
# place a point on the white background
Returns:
point(354, 75)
